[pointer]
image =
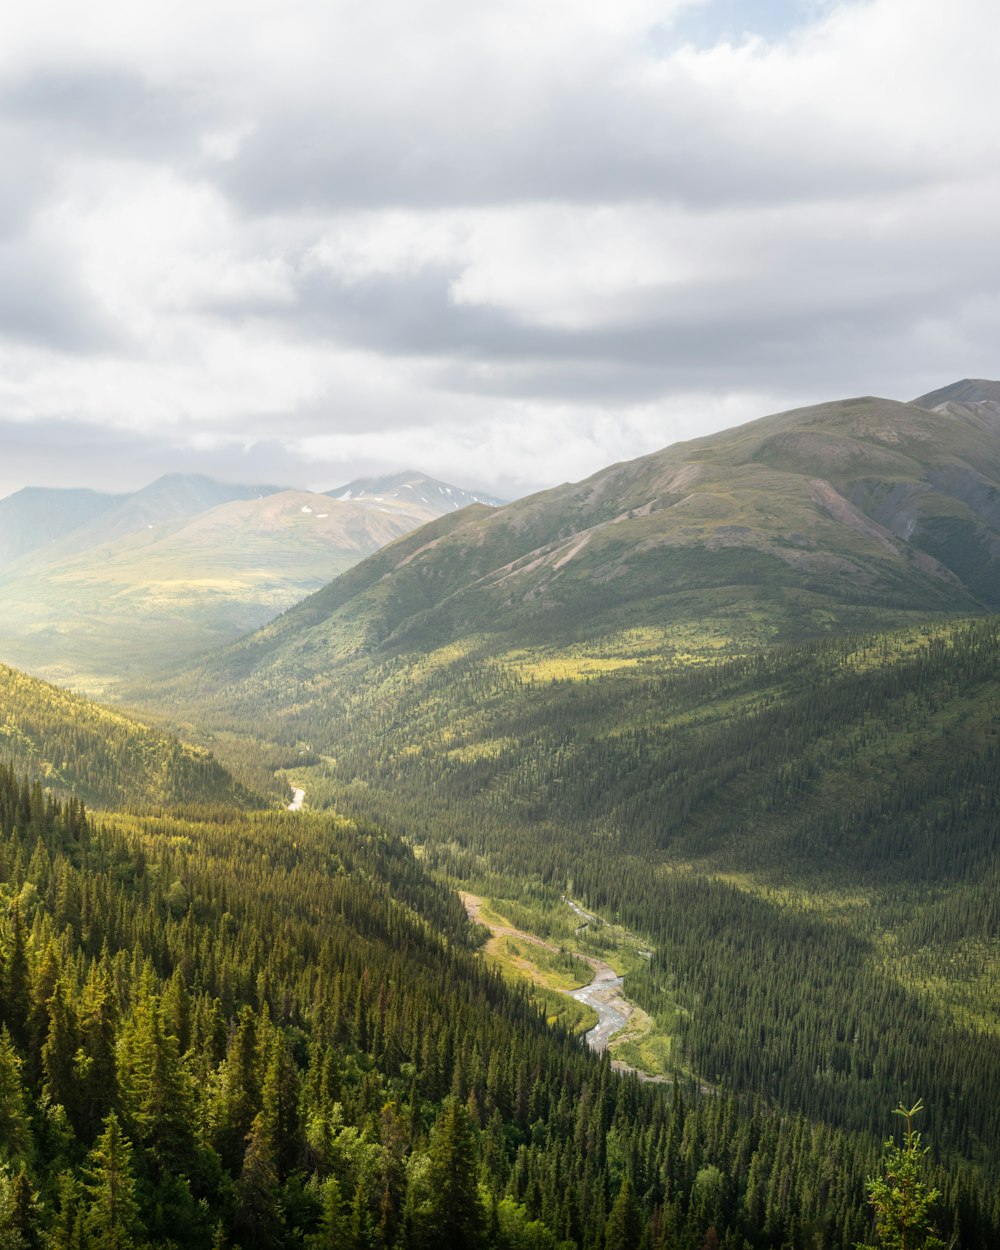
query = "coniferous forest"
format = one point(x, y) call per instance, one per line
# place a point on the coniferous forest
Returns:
point(272, 1030)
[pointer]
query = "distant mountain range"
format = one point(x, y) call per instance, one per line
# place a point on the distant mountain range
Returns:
point(100, 586)
point(978, 396)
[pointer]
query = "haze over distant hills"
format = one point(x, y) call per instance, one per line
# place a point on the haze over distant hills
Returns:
point(38, 515)
point(99, 585)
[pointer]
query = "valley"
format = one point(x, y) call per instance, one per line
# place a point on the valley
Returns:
point(646, 828)
point(516, 950)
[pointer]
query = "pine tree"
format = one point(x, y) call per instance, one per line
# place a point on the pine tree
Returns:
point(17, 987)
point(157, 1087)
point(67, 1231)
point(112, 1218)
point(621, 1232)
point(99, 1083)
point(23, 1212)
point(258, 1217)
point(332, 1234)
point(59, 1054)
point(239, 1095)
point(15, 1130)
point(900, 1198)
point(451, 1213)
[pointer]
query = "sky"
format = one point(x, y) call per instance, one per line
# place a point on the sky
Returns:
point(506, 243)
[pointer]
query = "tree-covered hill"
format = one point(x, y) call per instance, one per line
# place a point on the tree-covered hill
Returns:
point(827, 807)
point(271, 1031)
point(653, 691)
point(99, 754)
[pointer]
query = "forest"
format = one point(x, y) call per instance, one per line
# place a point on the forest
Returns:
point(227, 1025)
point(271, 1029)
point(806, 837)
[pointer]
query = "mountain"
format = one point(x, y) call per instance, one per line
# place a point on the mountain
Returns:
point(36, 516)
point(971, 396)
point(99, 754)
point(285, 1013)
point(413, 486)
point(840, 516)
point(161, 577)
point(169, 498)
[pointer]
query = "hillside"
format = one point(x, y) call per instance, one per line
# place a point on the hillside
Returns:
point(98, 754)
point(172, 572)
point(799, 525)
point(831, 804)
point(170, 498)
point(37, 516)
point(976, 395)
point(272, 1029)
point(682, 728)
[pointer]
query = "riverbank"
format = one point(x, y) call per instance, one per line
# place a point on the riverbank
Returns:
point(603, 994)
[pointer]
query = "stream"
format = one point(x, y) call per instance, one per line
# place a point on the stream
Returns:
point(604, 994)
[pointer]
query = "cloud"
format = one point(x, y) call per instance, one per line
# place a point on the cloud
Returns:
point(509, 239)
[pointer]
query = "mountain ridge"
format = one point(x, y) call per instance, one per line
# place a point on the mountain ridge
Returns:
point(420, 487)
point(845, 515)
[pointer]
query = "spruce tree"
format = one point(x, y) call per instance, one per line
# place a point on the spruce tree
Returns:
point(621, 1232)
point(16, 983)
point(23, 1218)
point(900, 1197)
point(112, 1218)
point(452, 1213)
point(15, 1130)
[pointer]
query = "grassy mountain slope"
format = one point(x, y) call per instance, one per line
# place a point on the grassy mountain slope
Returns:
point(803, 524)
point(74, 746)
point(974, 393)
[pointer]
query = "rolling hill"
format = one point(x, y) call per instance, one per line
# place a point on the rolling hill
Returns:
point(719, 695)
point(37, 516)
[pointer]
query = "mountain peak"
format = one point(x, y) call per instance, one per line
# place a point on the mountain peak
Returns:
point(410, 485)
point(967, 391)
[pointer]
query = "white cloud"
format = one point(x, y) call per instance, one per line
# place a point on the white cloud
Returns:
point(507, 238)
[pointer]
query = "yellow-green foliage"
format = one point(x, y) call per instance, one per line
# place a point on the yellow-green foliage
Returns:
point(100, 754)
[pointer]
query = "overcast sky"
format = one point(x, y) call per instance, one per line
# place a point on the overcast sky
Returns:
point(507, 242)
